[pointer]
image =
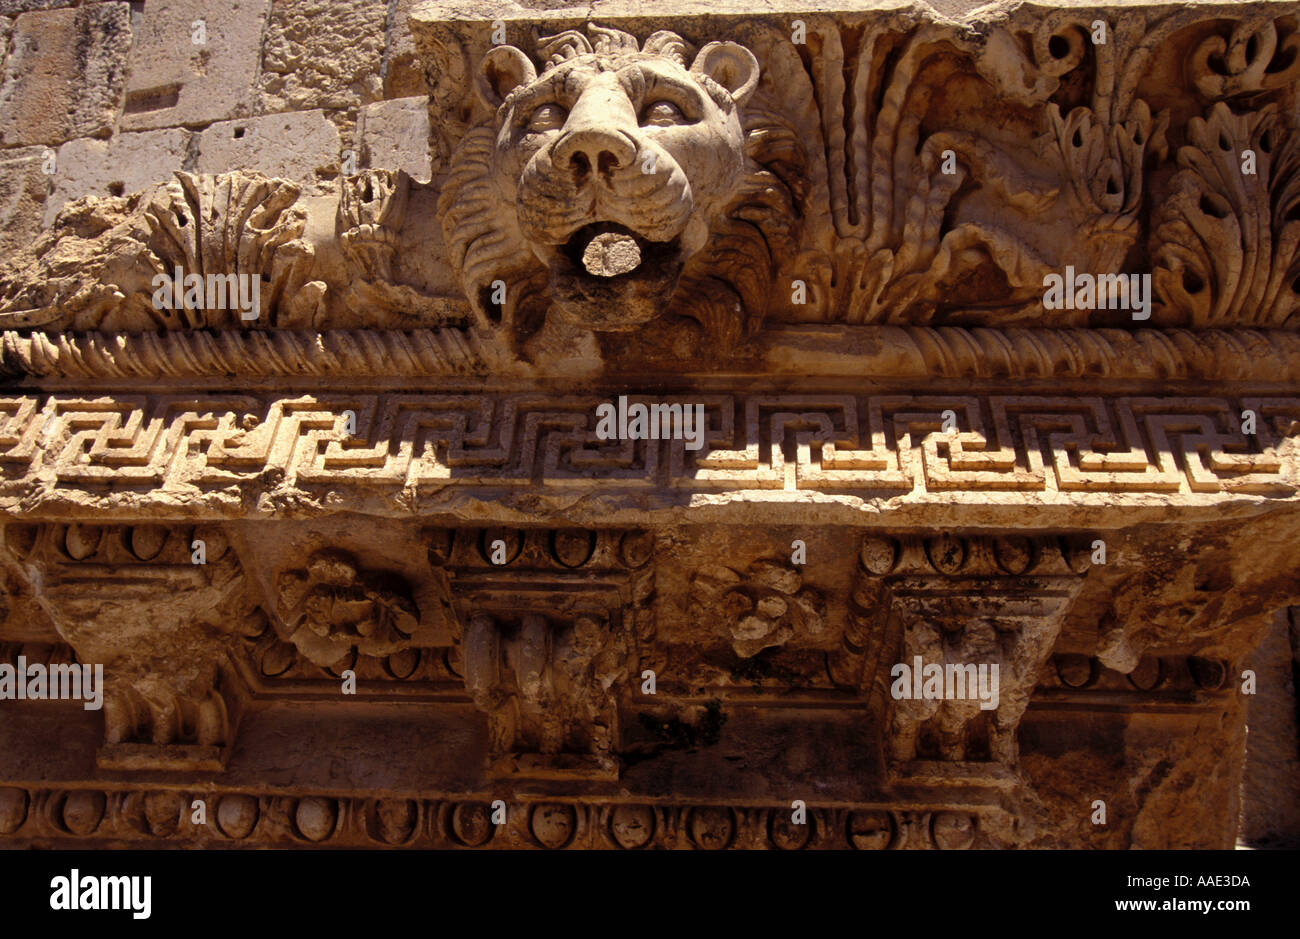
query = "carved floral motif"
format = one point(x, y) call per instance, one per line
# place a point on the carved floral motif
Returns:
point(765, 606)
point(1227, 242)
point(332, 606)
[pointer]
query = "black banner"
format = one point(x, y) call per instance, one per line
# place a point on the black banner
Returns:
point(599, 890)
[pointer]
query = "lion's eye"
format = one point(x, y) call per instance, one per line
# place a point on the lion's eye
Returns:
point(547, 117)
point(663, 114)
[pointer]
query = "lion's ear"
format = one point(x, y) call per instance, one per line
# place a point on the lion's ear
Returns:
point(503, 69)
point(730, 65)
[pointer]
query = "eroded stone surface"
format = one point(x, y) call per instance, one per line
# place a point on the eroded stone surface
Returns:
point(123, 164)
point(298, 146)
point(24, 189)
point(65, 74)
point(177, 80)
point(402, 72)
point(6, 26)
point(394, 135)
point(611, 254)
point(14, 7)
point(323, 53)
point(1270, 800)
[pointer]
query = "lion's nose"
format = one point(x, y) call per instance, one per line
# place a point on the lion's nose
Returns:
point(592, 148)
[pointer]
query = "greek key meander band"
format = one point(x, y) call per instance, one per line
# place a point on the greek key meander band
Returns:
point(891, 443)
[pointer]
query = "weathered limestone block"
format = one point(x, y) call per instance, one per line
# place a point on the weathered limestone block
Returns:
point(24, 191)
point(176, 80)
point(1168, 780)
point(122, 164)
point(394, 135)
point(14, 7)
point(301, 146)
point(65, 75)
point(322, 54)
point(402, 71)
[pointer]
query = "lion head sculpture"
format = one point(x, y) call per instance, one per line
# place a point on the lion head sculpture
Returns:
point(608, 188)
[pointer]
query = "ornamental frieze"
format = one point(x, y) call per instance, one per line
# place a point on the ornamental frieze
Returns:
point(398, 446)
point(649, 427)
point(855, 168)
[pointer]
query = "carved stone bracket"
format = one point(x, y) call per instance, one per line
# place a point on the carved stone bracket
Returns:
point(972, 621)
point(132, 599)
point(552, 623)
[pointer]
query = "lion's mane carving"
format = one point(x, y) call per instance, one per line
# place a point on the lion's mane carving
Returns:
point(650, 151)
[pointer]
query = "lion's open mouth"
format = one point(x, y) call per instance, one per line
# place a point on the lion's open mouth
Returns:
point(608, 250)
point(610, 278)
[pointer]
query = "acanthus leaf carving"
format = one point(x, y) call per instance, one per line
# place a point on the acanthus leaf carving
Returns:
point(97, 268)
point(369, 220)
point(236, 223)
point(1227, 243)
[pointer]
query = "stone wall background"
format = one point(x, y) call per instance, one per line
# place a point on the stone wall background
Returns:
point(121, 96)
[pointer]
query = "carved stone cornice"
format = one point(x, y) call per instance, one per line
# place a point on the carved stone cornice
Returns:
point(539, 666)
point(849, 168)
point(426, 565)
point(1257, 357)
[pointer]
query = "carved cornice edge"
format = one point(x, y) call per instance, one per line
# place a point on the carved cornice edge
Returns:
point(1254, 355)
point(252, 354)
